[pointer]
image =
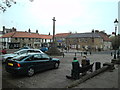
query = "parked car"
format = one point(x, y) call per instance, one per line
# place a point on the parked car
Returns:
point(28, 64)
point(25, 47)
point(44, 49)
point(22, 51)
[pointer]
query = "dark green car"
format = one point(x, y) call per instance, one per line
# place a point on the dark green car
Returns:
point(30, 63)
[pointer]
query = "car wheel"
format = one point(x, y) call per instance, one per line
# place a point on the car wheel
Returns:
point(56, 65)
point(30, 72)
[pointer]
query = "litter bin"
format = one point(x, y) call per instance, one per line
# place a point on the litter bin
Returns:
point(97, 65)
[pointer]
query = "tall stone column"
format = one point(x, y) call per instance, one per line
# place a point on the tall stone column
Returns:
point(53, 29)
point(53, 51)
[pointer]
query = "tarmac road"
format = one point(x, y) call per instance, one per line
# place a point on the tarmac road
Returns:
point(52, 78)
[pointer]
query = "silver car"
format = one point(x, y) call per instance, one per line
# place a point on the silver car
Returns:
point(11, 55)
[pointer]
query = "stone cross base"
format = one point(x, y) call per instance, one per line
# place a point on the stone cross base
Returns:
point(53, 51)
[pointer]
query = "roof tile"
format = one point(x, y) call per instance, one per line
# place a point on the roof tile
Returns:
point(62, 34)
point(26, 35)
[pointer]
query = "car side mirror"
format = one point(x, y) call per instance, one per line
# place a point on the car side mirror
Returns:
point(50, 58)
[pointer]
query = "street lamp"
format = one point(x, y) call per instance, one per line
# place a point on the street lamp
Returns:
point(116, 24)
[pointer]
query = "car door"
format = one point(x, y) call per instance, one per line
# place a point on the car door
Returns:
point(48, 63)
point(39, 63)
point(35, 62)
point(30, 62)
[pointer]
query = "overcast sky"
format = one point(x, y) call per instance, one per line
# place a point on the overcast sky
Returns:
point(71, 15)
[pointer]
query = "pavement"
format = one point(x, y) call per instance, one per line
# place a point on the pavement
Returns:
point(107, 79)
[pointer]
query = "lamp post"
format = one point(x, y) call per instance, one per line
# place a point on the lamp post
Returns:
point(93, 39)
point(116, 24)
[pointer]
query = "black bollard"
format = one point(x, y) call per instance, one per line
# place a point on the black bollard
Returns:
point(97, 65)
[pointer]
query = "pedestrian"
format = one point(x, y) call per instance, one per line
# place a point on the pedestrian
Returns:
point(4, 51)
point(75, 69)
point(63, 54)
point(85, 62)
point(85, 53)
point(81, 53)
point(118, 54)
point(90, 52)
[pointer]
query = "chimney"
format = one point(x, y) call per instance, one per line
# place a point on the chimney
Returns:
point(13, 29)
point(93, 31)
point(3, 29)
point(36, 31)
point(49, 33)
point(96, 31)
point(29, 30)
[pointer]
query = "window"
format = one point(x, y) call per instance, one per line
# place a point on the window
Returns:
point(29, 59)
point(19, 57)
point(22, 52)
point(45, 57)
point(37, 57)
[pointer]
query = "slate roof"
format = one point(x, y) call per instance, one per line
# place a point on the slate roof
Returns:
point(84, 35)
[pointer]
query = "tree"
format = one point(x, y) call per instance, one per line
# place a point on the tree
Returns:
point(115, 41)
point(4, 4)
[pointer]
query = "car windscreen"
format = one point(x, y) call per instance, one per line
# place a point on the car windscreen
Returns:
point(19, 58)
point(45, 56)
point(20, 52)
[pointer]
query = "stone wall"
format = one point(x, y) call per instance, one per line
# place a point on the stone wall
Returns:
point(81, 43)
